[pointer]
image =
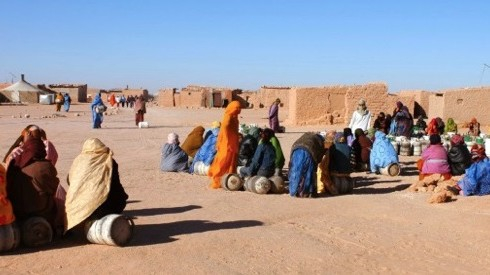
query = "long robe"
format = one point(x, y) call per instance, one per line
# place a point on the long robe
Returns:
point(174, 159)
point(97, 118)
point(67, 103)
point(361, 121)
point(477, 179)
point(226, 146)
point(94, 185)
point(459, 159)
point(6, 210)
point(383, 152)
point(32, 182)
point(274, 117)
point(306, 154)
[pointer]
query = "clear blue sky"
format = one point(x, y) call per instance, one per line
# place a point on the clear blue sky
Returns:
point(429, 45)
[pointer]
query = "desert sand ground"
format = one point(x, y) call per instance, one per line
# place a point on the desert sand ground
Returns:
point(182, 227)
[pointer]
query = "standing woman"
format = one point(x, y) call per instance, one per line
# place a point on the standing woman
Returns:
point(67, 102)
point(140, 110)
point(274, 116)
point(97, 115)
point(59, 101)
point(226, 146)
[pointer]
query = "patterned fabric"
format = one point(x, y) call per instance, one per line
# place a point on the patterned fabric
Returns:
point(477, 179)
point(302, 176)
point(383, 152)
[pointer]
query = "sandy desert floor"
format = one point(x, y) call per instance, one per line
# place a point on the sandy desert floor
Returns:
point(182, 227)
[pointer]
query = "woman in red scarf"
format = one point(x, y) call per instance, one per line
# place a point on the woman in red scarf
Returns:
point(32, 179)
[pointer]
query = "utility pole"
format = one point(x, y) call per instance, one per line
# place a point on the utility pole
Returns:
point(13, 76)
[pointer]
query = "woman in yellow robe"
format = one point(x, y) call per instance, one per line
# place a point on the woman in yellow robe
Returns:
point(226, 146)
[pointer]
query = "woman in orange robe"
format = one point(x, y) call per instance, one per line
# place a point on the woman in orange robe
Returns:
point(226, 146)
point(6, 211)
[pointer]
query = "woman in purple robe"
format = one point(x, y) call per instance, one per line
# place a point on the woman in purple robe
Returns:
point(274, 116)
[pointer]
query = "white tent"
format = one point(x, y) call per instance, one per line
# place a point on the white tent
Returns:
point(14, 91)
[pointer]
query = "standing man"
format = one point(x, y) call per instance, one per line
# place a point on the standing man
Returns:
point(274, 116)
point(361, 118)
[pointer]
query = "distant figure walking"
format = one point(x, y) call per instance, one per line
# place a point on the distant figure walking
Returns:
point(140, 109)
point(67, 102)
point(59, 101)
point(98, 109)
point(274, 116)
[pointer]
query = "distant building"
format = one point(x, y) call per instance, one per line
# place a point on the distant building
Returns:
point(77, 92)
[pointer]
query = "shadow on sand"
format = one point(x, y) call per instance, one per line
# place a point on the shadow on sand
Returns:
point(149, 234)
point(362, 183)
point(160, 211)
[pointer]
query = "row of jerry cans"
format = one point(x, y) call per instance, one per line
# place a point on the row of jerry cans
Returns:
point(255, 184)
point(406, 147)
point(113, 229)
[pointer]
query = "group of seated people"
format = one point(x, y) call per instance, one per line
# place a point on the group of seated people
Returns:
point(30, 187)
point(473, 164)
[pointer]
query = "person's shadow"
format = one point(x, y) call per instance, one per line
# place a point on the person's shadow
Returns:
point(149, 234)
point(159, 211)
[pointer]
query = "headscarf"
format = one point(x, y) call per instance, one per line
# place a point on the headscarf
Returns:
point(477, 153)
point(361, 107)
point(89, 179)
point(359, 132)
point(451, 126)
point(432, 127)
point(267, 134)
point(340, 138)
point(193, 141)
point(399, 104)
point(435, 139)
point(139, 105)
point(216, 124)
point(473, 120)
point(33, 149)
point(457, 140)
point(172, 138)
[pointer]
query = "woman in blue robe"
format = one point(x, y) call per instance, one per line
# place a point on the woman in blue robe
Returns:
point(67, 103)
point(306, 153)
point(383, 152)
point(97, 117)
point(206, 153)
point(476, 180)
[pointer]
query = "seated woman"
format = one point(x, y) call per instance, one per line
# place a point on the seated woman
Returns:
point(324, 181)
point(380, 123)
point(174, 159)
point(6, 211)
point(32, 179)
point(434, 159)
point(306, 154)
point(382, 154)
point(340, 156)
point(193, 142)
point(205, 155)
point(349, 138)
point(263, 162)
point(476, 181)
point(95, 189)
point(458, 156)
point(450, 126)
point(361, 147)
point(279, 162)
point(474, 128)
point(248, 145)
